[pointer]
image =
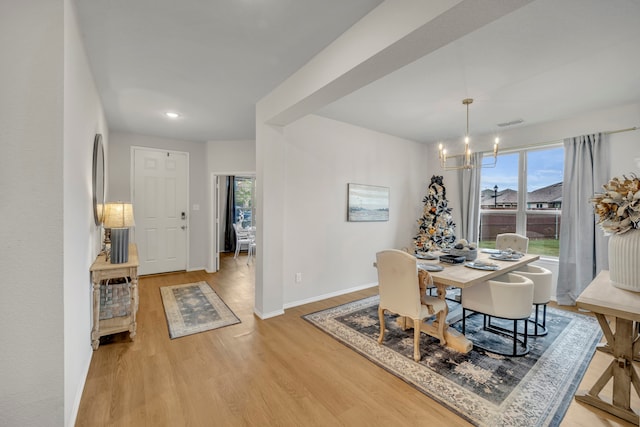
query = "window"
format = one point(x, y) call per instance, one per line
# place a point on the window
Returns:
point(523, 194)
point(244, 194)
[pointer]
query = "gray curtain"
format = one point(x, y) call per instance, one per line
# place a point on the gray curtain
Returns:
point(583, 246)
point(229, 233)
point(470, 195)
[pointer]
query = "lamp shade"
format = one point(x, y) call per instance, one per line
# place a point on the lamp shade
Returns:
point(118, 215)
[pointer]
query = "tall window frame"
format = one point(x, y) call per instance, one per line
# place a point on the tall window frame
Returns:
point(525, 209)
point(245, 195)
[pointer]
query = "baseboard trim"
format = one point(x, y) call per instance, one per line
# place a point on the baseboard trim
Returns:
point(329, 295)
point(73, 415)
point(265, 316)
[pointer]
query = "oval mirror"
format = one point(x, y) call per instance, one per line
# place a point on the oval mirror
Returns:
point(98, 179)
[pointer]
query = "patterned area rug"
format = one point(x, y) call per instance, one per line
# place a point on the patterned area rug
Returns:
point(193, 308)
point(484, 388)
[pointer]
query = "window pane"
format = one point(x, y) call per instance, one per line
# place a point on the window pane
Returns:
point(498, 199)
point(545, 171)
point(499, 185)
point(492, 223)
point(543, 231)
point(244, 201)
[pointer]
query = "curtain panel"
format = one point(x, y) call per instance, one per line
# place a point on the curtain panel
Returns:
point(583, 246)
point(229, 233)
point(470, 195)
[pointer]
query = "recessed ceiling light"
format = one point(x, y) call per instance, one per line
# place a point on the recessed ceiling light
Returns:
point(172, 115)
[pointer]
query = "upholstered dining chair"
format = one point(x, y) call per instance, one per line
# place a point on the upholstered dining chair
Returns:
point(514, 241)
point(400, 294)
point(243, 238)
point(542, 283)
point(510, 297)
point(541, 278)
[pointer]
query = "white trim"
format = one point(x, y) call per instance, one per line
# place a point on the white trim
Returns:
point(329, 295)
point(265, 316)
point(214, 249)
point(73, 416)
point(235, 173)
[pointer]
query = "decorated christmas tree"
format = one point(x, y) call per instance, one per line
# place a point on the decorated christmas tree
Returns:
point(436, 227)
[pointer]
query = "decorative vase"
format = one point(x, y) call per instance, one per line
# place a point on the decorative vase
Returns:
point(624, 260)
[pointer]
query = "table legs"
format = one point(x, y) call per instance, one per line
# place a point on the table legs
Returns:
point(623, 345)
point(134, 307)
point(95, 331)
point(455, 340)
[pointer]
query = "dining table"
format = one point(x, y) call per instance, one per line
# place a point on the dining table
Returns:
point(462, 276)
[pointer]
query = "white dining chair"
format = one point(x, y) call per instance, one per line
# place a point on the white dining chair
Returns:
point(541, 278)
point(542, 284)
point(251, 252)
point(243, 238)
point(510, 297)
point(514, 241)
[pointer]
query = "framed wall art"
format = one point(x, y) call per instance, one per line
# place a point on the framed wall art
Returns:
point(367, 203)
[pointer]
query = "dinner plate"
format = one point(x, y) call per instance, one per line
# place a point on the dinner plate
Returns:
point(431, 267)
point(481, 266)
point(426, 255)
point(506, 257)
point(491, 251)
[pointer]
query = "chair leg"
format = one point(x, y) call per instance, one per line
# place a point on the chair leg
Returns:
point(515, 337)
point(442, 324)
point(416, 340)
point(237, 250)
point(464, 319)
point(381, 317)
point(539, 328)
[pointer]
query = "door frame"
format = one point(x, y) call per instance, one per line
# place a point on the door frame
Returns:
point(214, 219)
point(188, 172)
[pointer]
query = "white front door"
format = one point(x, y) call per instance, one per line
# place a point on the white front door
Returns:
point(160, 207)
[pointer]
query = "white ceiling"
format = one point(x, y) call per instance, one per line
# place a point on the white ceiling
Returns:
point(213, 60)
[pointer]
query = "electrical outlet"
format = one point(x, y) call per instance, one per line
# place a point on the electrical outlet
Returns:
point(298, 277)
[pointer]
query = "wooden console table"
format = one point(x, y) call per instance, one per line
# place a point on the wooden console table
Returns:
point(101, 269)
point(603, 299)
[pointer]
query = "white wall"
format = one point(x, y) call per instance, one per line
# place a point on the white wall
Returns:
point(31, 208)
point(120, 184)
point(231, 157)
point(335, 255)
point(83, 118)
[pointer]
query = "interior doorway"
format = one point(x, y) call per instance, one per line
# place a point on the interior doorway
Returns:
point(233, 202)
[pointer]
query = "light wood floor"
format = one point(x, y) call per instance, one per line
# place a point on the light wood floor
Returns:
point(278, 372)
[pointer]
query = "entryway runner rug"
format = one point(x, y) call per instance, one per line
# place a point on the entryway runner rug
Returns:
point(484, 388)
point(193, 308)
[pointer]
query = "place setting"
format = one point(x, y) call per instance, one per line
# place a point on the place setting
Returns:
point(482, 265)
point(507, 255)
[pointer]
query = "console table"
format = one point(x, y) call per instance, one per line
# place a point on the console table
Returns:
point(101, 269)
point(603, 299)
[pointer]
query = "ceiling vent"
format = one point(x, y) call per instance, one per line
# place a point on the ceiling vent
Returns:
point(511, 123)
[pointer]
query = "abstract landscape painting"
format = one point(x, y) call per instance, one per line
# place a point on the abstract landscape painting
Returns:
point(368, 203)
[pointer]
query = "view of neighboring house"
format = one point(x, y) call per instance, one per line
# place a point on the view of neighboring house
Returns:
point(549, 197)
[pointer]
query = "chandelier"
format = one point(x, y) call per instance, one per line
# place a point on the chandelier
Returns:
point(466, 156)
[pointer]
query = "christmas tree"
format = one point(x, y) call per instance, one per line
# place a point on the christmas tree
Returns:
point(436, 227)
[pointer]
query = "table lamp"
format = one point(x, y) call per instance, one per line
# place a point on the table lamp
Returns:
point(118, 216)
